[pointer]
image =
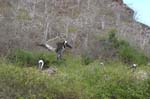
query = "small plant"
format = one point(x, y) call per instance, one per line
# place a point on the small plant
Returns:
point(113, 38)
point(72, 29)
point(23, 15)
point(87, 58)
point(112, 35)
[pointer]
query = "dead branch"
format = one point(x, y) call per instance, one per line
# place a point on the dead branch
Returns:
point(52, 39)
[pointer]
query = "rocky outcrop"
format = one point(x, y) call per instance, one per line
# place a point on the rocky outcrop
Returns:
point(23, 23)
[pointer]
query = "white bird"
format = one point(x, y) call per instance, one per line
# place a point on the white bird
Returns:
point(41, 64)
point(102, 63)
point(134, 65)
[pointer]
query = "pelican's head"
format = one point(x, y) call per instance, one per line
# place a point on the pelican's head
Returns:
point(134, 65)
point(67, 45)
point(65, 42)
point(102, 63)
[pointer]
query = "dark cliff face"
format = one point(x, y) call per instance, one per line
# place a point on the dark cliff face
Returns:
point(23, 23)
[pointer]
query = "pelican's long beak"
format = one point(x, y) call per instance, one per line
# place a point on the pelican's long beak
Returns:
point(68, 45)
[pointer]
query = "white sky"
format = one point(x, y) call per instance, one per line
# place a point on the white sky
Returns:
point(142, 8)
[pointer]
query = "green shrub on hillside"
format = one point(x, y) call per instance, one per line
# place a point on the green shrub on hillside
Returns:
point(27, 58)
point(125, 52)
point(130, 55)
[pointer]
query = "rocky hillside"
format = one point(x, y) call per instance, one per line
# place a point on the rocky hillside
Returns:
point(24, 23)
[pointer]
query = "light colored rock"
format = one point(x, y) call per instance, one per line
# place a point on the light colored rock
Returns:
point(50, 71)
point(142, 75)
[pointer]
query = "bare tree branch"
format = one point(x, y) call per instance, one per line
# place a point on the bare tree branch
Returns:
point(52, 39)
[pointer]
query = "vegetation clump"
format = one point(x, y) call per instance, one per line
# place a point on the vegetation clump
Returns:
point(23, 15)
point(125, 52)
point(74, 80)
point(77, 77)
point(27, 58)
point(113, 48)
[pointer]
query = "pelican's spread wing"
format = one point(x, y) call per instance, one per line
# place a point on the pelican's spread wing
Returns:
point(49, 47)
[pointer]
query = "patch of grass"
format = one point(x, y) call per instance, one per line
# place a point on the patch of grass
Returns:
point(23, 15)
point(73, 80)
point(72, 29)
point(76, 77)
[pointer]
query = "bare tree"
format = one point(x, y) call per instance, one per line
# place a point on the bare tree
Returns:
point(103, 22)
point(88, 6)
point(78, 1)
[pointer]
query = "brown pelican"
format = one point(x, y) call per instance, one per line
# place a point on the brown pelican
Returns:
point(59, 49)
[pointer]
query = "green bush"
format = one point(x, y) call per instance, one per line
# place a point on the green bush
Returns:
point(74, 81)
point(130, 55)
point(125, 52)
point(27, 58)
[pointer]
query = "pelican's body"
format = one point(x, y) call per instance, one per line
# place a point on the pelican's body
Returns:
point(134, 65)
point(59, 50)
